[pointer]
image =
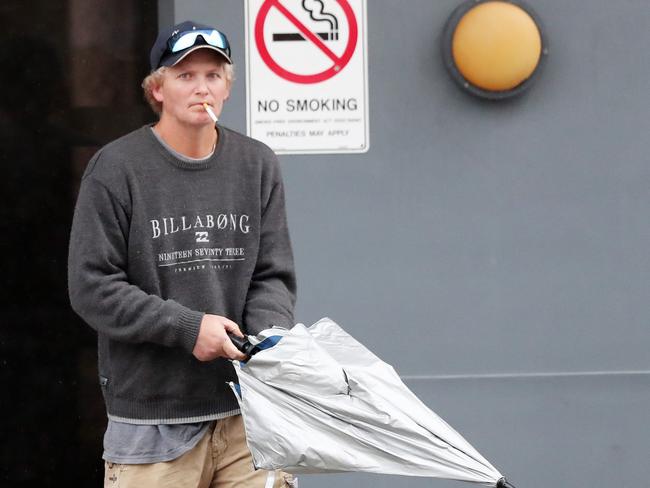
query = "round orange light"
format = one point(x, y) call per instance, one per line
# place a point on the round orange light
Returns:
point(496, 45)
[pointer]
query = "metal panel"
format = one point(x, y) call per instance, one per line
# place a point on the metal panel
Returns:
point(478, 238)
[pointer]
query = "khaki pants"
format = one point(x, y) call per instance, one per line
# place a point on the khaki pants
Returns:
point(220, 460)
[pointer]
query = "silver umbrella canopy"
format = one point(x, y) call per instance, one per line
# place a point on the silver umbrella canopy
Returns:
point(315, 400)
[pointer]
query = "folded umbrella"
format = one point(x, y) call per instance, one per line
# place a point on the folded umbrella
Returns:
point(315, 400)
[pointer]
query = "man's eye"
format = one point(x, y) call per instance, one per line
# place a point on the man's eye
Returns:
point(184, 76)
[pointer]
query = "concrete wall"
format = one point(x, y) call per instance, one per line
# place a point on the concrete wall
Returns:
point(495, 253)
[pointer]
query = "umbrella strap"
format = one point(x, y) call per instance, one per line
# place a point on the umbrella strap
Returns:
point(270, 479)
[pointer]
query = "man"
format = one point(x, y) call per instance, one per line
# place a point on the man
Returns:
point(179, 237)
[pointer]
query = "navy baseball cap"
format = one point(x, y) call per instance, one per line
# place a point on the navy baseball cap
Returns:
point(174, 43)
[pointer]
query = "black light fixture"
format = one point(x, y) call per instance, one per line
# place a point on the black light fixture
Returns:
point(494, 48)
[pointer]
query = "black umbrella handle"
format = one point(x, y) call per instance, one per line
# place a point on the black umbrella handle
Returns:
point(243, 344)
point(503, 483)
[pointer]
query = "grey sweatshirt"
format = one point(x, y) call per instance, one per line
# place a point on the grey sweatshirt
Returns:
point(157, 242)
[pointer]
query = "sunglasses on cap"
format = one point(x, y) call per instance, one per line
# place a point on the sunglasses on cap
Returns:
point(182, 40)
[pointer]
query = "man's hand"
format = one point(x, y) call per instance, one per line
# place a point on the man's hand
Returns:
point(213, 342)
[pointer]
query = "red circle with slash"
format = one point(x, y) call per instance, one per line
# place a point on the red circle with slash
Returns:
point(338, 62)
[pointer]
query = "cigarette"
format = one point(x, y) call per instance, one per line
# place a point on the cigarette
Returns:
point(210, 112)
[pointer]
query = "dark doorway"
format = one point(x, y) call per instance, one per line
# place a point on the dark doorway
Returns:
point(70, 74)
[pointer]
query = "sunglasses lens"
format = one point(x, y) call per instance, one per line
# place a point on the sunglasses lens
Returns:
point(184, 42)
point(214, 39)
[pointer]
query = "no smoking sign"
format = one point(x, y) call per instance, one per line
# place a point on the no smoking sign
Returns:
point(307, 75)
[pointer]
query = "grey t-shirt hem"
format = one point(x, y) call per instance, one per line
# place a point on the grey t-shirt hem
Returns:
point(161, 457)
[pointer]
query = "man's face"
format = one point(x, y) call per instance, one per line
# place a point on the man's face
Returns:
point(198, 78)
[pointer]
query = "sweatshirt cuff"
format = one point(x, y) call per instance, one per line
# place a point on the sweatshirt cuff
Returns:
point(189, 323)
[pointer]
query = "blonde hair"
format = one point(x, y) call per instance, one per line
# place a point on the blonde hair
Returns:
point(155, 79)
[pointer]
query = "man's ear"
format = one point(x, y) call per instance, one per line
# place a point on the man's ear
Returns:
point(156, 91)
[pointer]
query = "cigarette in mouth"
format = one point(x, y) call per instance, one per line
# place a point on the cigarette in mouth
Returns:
point(210, 112)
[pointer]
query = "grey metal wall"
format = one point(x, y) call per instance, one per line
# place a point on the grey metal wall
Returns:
point(496, 253)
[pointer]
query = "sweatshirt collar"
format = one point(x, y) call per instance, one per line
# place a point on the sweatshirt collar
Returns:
point(183, 163)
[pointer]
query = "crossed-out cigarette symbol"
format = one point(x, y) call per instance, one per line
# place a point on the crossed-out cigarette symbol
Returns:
point(316, 10)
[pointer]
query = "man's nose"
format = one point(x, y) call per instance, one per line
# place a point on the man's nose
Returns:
point(201, 85)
